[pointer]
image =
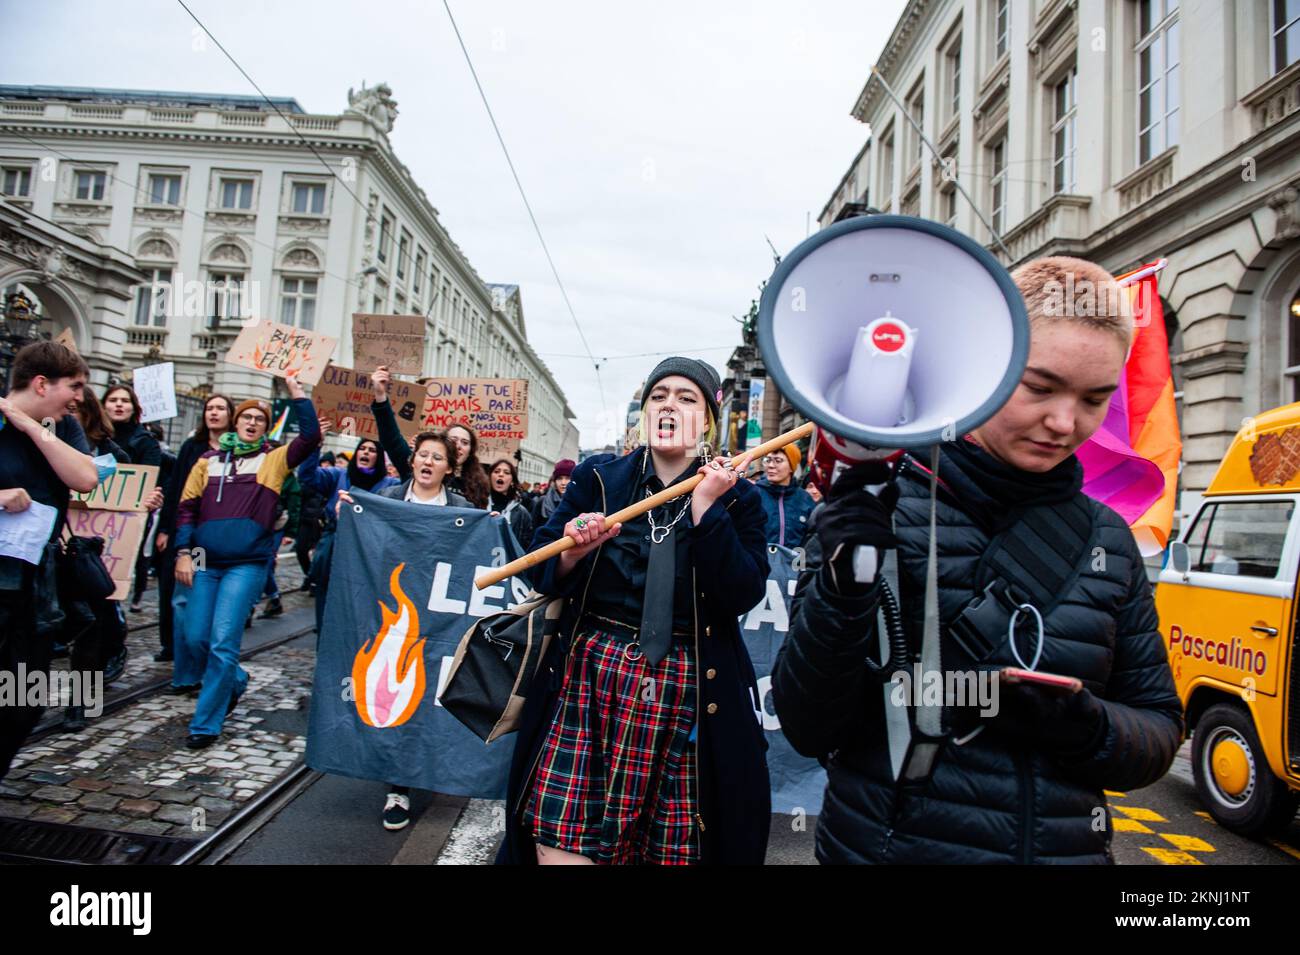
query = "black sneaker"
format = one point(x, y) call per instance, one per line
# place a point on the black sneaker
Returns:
point(165, 655)
point(397, 812)
point(249, 622)
point(184, 688)
point(200, 740)
point(273, 608)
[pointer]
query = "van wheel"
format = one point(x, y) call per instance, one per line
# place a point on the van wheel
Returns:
point(1232, 775)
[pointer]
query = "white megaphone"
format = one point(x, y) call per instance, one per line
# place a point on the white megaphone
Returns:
point(891, 332)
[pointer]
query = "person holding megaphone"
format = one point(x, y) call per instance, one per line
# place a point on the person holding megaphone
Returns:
point(1029, 575)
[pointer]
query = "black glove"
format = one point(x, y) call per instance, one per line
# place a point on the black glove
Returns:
point(854, 516)
point(1067, 725)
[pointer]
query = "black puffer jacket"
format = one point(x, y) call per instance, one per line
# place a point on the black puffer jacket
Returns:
point(990, 800)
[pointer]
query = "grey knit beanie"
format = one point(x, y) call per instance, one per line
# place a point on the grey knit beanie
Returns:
point(701, 374)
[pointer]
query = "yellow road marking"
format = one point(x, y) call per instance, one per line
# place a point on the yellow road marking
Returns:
point(1289, 850)
point(1205, 815)
point(1109, 792)
point(1173, 857)
point(1128, 825)
point(1187, 843)
point(1144, 815)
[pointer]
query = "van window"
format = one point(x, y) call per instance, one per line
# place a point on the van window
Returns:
point(1240, 538)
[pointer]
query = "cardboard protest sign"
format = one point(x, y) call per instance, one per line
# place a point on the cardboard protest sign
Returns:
point(393, 340)
point(124, 491)
point(155, 386)
point(344, 395)
point(496, 408)
point(67, 339)
point(114, 511)
point(281, 349)
point(122, 531)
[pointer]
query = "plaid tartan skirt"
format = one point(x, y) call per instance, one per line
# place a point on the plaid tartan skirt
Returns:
point(615, 779)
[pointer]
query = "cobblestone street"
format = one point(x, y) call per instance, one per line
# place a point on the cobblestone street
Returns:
point(129, 770)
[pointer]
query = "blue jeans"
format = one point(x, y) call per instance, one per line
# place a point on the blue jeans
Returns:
point(189, 658)
point(219, 603)
point(272, 589)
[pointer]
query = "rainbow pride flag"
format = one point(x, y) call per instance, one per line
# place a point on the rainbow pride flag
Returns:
point(278, 428)
point(1131, 463)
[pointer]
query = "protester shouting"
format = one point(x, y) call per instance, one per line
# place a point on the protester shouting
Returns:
point(228, 509)
point(786, 504)
point(640, 741)
point(506, 499)
point(366, 469)
point(1022, 778)
point(43, 456)
point(469, 478)
point(187, 670)
point(548, 501)
point(431, 466)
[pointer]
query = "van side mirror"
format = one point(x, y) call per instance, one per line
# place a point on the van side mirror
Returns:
point(1180, 557)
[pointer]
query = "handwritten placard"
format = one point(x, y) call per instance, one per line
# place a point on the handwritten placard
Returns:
point(393, 340)
point(496, 408)
point(343, 395)
point(281, 350)
point(155, 385)
point(114, 510)
point(122, 531)
point(126, 490)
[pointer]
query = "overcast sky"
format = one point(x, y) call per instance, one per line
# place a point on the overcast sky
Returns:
point(658, 143)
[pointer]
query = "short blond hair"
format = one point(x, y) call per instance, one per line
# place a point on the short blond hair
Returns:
point(1062, 288)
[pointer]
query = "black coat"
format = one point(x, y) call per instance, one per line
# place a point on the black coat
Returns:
point(190, 451)
point(730, 560)
point(990, 800)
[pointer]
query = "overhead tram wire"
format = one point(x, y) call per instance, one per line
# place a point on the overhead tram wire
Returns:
point(202, 26)
point(595, 363)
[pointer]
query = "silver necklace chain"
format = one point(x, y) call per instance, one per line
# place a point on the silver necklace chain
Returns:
point(659, 532)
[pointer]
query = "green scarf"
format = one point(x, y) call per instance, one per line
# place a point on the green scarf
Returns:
point(230, 441)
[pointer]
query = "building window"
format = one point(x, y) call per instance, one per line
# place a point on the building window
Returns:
point(1158, 81)
point(165, 190)
point(1064, 145)
point(90, 185)
point(1286, 33)
point(954, 77)
point(403, 253)
point(298, 302)
point(887, 170)
point(1291, 374)
point(236, 193)
point(226, 289)
point(385, 235)
point(151, 298)
point(948, 207)
point(998, 184)
point(419, 270)
point(1001, 28)
point(16, 182)
point(915, 106)
point(309, 198)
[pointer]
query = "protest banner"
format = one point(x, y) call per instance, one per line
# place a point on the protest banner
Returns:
point(496, 408)
point(114, 510)
point(401, 596)
point(393, 340)
point(155, 386)
point(798, 782)
point(343, 395)
point(282, 349)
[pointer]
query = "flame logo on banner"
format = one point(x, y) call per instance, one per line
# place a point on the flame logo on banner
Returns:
point(388, 671)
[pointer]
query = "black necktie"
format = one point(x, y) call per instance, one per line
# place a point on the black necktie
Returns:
point(656, 634)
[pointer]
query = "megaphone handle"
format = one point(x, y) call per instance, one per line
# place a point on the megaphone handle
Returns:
point(557, 547)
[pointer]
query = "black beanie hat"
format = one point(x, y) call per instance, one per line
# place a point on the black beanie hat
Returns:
point(701, 374)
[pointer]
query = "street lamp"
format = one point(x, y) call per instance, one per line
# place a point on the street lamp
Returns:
point(19, 326)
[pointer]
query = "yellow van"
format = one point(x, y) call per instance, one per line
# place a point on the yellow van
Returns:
point(1227, 605)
